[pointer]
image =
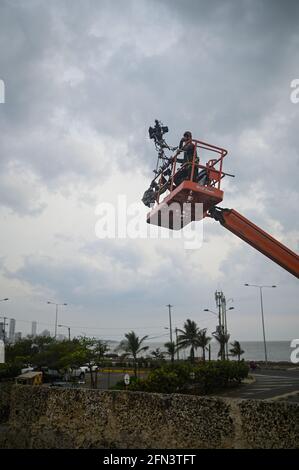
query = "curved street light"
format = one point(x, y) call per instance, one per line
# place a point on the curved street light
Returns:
point(261, 287)
point(208, 310)
point(56, 316)
point(69, 330)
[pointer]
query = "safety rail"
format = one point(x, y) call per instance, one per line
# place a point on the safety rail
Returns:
point(213, 168)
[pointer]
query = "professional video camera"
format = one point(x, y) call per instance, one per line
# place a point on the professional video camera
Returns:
point(157, 132)
point(163, 169)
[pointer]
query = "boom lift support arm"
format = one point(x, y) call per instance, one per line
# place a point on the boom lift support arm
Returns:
point(257, 238)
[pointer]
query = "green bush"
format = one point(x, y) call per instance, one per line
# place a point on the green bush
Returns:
point(120, 385)
point(159, 380)
point(207, 377)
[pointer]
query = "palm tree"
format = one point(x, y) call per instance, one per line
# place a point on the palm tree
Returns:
point(236, 350)
point(189, 337)
point(203, 341)
point(171, 349)
point(157, 354)
point(222, 339)
point(132, 345)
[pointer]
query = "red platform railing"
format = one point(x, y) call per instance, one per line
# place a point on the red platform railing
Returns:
point(213, 167)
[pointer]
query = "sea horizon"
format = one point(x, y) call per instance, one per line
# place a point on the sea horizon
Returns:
point(279, 350)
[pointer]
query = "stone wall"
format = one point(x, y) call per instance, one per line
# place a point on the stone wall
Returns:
point(42, 417)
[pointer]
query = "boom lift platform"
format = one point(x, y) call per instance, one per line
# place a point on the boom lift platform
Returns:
point(195, 183)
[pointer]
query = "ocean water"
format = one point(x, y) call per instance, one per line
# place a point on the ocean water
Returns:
point(253, 350)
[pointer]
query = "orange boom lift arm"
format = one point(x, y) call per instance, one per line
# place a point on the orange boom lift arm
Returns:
point(202, 184)
point(257, 238)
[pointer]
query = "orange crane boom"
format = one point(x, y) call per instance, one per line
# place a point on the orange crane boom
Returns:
point(196, 183)
point(257, 238)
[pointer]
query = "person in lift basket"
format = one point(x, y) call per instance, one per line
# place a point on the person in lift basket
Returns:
point(188, 147)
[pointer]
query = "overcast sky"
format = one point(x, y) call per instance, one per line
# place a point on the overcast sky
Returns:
point(83, 82)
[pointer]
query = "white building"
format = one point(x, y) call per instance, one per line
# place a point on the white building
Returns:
point(11, 332)
point(33, 328)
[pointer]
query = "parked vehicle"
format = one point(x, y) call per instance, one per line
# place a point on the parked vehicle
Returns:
point(86, 368)
point(30, 378)
point(76, 373)
point(27, 369)
point(54, 375)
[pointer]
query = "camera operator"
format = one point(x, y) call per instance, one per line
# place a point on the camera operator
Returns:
point(188, 147)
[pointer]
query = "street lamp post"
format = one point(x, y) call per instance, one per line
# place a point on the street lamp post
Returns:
point(176, 341)
point(69, 330)
point(56, 315)
point(262, 311)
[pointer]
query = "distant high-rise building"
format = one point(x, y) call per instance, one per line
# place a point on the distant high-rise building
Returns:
point(33, 328)
point(18, 336)
point(11, 333)
point(45, 333)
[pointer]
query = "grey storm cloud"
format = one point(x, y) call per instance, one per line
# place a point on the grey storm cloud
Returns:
point(219, 68)
point(83, 284)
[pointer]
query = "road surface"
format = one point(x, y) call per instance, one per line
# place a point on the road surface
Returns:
point(269, 384)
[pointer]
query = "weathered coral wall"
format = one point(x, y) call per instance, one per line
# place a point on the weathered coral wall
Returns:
point(43, 417)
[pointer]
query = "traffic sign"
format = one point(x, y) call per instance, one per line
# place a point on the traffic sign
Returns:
point(127, 379)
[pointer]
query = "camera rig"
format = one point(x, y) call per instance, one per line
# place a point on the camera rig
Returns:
point(163, 162)
point(156, 133)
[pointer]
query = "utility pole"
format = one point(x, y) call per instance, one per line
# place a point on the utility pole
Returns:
point(218, 297)
point(4, 320)
point(69, 330)
point(219, 302)
point(170, 331)
point(3, 331)
point(209, 352)
point(223, 304)
point(177, 349)
point(170, 325)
